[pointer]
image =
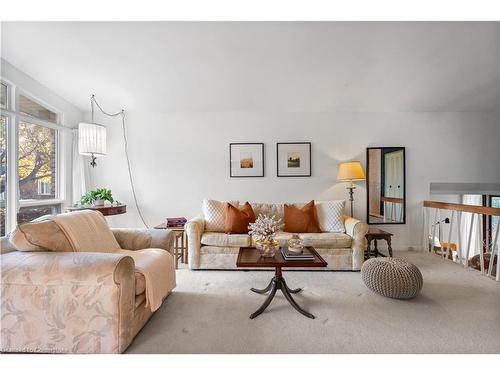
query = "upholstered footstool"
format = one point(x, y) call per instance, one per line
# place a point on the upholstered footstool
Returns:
point(392, 277)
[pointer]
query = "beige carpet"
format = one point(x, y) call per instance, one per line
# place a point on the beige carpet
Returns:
point(458, 311)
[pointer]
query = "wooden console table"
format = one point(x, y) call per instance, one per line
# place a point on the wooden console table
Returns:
point(105, 210)
point(375, 234)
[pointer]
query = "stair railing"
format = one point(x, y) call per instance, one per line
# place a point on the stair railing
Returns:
point(434, 209)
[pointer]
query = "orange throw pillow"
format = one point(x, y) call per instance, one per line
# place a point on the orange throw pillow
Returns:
point(237, 220)
point(301, 220)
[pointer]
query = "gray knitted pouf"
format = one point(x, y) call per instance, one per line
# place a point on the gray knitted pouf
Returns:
point(392, 277)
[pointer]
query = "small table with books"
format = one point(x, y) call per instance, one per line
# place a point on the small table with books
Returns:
point(176, 225)
point(250, 257)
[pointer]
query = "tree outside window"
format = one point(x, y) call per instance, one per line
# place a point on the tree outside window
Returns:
point(37, 161)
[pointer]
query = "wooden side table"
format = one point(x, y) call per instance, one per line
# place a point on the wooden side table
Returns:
point(375, 234)
point(106, 210)
point(180, 244)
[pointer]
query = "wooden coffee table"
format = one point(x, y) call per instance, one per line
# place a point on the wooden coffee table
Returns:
point(250, 257)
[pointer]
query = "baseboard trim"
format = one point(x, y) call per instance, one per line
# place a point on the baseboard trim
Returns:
point(267, 270)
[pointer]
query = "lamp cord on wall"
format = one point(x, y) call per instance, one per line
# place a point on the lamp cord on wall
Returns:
point(125, 141)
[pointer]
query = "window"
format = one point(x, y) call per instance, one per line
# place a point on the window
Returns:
point(36, 161)
point(29, 135)
point(27, 214)
point(4, 95)
point(31, 108)
point(3, 173)
point(44, 187)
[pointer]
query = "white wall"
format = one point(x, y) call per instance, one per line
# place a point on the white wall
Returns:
point(70, 119)
point(180, 158)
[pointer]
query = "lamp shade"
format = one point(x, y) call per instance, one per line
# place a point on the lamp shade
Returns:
point(351, 171)
point(91, 139)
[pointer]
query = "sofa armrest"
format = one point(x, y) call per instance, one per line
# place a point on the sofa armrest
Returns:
point(194, 229)
point(357, 230)
point(6, 246)
point(138, 239)
point(60, 268)
point(69, 302)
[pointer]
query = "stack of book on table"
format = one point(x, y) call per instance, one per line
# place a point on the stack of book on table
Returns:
point(176, 222)
point(290, 255)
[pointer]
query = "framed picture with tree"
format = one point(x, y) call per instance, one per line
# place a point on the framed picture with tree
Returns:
point(293, 159)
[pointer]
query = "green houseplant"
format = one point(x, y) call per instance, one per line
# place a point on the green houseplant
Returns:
point(97, 197)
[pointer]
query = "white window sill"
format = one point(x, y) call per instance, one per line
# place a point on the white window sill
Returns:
point(40, 202)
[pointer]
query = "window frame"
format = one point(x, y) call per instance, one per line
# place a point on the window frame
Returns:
point(41, 186)
point(20, 92)
point(14, 116)
point(8, 99)
point(8, 194)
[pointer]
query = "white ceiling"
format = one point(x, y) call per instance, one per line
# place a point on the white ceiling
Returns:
point(263, 66)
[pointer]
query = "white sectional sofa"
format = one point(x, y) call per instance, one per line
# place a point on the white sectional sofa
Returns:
point(218, 250)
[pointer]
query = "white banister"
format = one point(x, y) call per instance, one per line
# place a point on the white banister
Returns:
point(481, 245)
point(450, 232)
point(425, 229)
point(480, 213)
point(469, 239)
point(433, 226)
point(459, 242)
point(495, 246)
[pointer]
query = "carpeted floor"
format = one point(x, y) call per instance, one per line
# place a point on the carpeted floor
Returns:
point(458, 311)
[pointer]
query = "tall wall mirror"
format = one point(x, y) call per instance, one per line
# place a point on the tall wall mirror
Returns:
point(386, 185)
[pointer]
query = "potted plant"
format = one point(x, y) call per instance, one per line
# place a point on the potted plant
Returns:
point(97, 197)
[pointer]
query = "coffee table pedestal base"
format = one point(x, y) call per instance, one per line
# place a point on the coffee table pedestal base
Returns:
point(278, 282)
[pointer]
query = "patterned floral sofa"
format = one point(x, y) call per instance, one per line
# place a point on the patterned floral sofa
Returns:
point(76, 302)
point(211, 248)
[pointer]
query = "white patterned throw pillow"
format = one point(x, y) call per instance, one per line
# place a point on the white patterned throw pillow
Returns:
point(330, 216)
point(214, 214)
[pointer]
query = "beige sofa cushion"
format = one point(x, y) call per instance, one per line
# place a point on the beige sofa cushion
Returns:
point(326, 240)
point(220, 250)
point(214, 213)
point(223, 239)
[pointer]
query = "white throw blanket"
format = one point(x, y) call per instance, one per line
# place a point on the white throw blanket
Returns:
point(158, 268)
point(88, 231)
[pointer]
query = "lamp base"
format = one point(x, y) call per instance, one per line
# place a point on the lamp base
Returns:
point(351, 188)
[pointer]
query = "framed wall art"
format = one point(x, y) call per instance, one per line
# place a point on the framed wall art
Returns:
point(246, 159)
point(293, 159)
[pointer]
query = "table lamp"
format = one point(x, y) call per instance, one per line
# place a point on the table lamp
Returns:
point(348, 172)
